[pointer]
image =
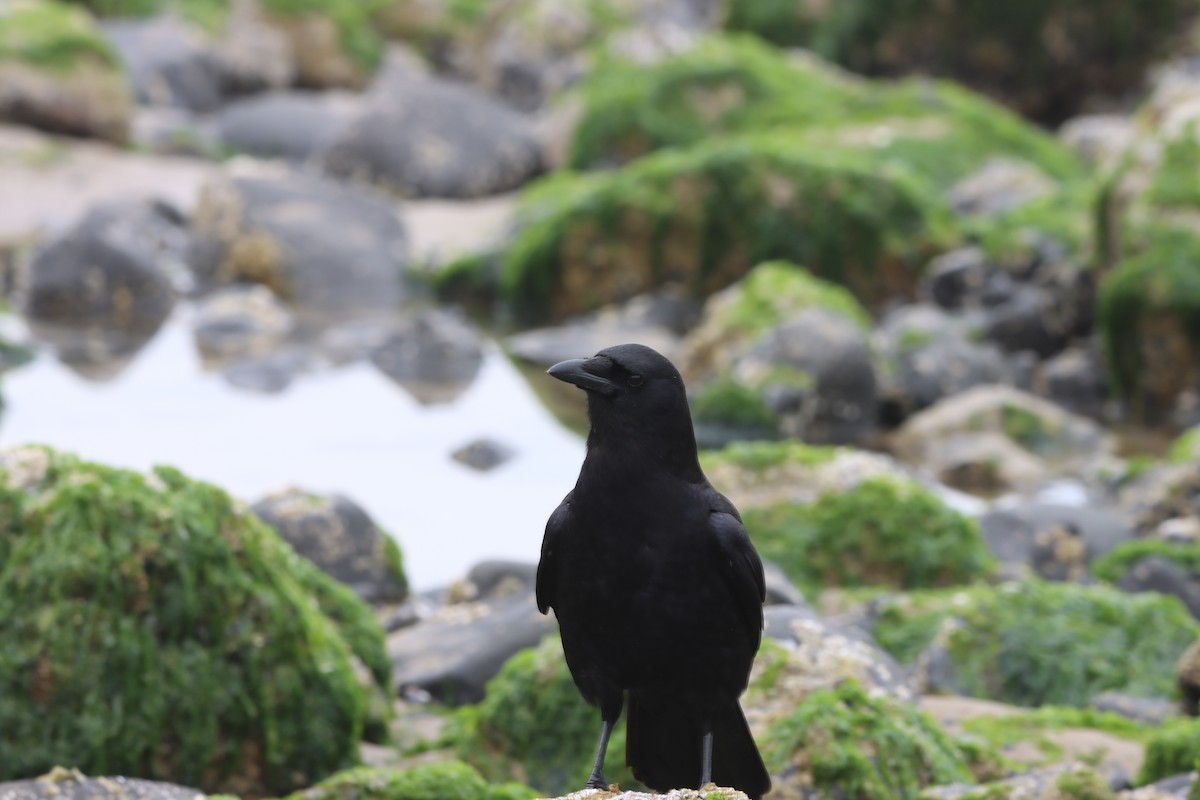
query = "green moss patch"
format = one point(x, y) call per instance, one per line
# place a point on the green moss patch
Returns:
point(880, 533)
point(1113, 566)
point(534, 726)
point(1185, 448)
point(905, 624)
point(451, 780)
point(51, 35)
point(776, 289)
point(155, 629)
point(845, 743)
point(1171, 750)
point(1038, 643)
point(760, 456)
point(726, 402)
point(703, 216)
point(1031, 728)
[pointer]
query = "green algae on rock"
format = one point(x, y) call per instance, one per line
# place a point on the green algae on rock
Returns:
point(1035, 643)
point(844, 741)
point(59, 73)
point(449, 780)
point(882, 532)
point(154, 628)
point(533, 726)
point(1172, 749)
point(1113, 566)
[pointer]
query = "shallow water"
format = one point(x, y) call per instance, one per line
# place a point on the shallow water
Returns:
point(348, 430)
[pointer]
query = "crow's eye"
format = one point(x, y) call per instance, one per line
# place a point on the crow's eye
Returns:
point(635, 380)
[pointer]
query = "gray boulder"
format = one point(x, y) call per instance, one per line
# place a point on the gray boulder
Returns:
point(814, 372)
point(434, 355)
point(330, 251)
point(452, 654)
point(168, 62)
point(240, 322)
point(289, 125)
point(433, 138)
point(337, 535)
point(71, 784)
point(1159, 574)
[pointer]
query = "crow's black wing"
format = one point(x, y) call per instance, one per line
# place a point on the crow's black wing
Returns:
point(742, 568)
point(547, 572)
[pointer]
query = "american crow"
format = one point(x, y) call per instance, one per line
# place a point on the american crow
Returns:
point(656, 587)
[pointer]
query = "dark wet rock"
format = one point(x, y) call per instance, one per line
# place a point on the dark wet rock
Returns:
point(1187, 678)
point(1145, 710)
point(434, 138)
point(1076, 379)
point(954, 279)
point(999, 185)
point(656, 320)
point(168, 62)
point(289, 125)
point(814, 372)
point(328, 250)
point(483, 455)
point(241, 321)
point(822, 654)
point(452, 654)
point(1159, 574)
point(497, 577)
point(1023, 322)
point(269, 373)
point(337, 535)
point(71, 784)
point(434, 354)
point(100, 291)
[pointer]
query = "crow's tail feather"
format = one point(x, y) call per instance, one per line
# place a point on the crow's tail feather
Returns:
point(664, 743)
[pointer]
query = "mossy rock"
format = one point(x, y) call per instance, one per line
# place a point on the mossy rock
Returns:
point(1149, 316)
point(735, 84)
point(845, 743)
point(882, 532)
point(1186, 447)
point(769, 294)
point(1038, 643)
point(534, 726)
point(1111, 43)
point(704, 216)
point(1030, 727)
point(208, 14)
point(59, 73)
point(154, 628)
point(449, 780)
point(906, 623)
point(1114, 565)
point(1171, 750)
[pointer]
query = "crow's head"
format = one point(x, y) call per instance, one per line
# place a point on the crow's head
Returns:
point(635, 397)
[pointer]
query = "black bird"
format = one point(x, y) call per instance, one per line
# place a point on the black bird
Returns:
point(657, 589)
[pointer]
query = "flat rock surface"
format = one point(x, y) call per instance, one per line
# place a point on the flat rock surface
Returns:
point(64, 784)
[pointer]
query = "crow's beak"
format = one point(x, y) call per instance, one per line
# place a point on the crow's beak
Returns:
point(591, 374)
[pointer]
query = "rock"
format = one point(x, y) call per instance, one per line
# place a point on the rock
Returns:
point(1159, 574)
point(814, 371)
point(483, 455)
point(455, 652)
point(998, 186)
point(1150, 711)
point(433, 138)
point(251, 55)
point(1002, 433)
point(337, 535)
point(1076, 379)
point(71, 784)
point(1100, 139)
point(655, 320)
point(1178, 787)
point(780, 591)
point(821, 655)
point(1017, 533)
point(322, 45)
point(1060, 553)
point(1165, 502)
point(58, 74)
point(171, 131)
point(955, 279)
point(328, 250)
point(290, 125)
point(239, 322)
point(268, 373)
point(168, 62)
point(100, 291)
point(1073, 781)
point(496, 577)
point(434, 355)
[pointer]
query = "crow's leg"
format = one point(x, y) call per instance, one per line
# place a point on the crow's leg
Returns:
point(706, 745)
point(610, 712)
